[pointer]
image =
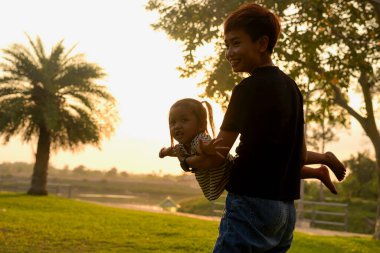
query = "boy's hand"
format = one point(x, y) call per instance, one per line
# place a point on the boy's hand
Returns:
point(210, 148)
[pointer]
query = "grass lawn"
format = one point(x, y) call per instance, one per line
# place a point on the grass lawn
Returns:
point(52, 224)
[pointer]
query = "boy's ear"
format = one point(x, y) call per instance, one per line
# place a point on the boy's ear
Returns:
point(263, 43)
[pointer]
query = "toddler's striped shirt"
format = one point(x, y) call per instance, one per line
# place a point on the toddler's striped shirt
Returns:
point(212, 181)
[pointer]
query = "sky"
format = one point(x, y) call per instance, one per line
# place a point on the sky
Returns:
point(141, 74)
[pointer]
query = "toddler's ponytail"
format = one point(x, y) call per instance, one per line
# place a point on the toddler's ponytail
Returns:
point(210, 116)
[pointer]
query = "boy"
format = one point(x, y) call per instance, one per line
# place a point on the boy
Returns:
point(267, 110)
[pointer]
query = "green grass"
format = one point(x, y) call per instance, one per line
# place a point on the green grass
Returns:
point(334, 244)
point(57, 225)
point(197, 205)
point(52, 224)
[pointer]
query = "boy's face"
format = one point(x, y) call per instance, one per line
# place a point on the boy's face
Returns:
point(183, 124)
point(243, 54)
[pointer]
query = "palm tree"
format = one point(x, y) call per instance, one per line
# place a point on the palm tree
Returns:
point(52, 99)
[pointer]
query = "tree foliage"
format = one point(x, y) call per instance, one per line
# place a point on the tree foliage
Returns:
point(361, 181)
point(324, 44)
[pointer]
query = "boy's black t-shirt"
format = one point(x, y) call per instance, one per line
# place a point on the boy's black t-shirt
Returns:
point(267, 110)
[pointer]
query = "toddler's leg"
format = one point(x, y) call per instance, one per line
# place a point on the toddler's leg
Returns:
point(328, 159)
point(321, 173)
point(336, 166)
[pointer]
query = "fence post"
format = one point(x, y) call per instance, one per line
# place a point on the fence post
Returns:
point(346, 218)
point(69, 194)
point(313, 215)
point(300, 210)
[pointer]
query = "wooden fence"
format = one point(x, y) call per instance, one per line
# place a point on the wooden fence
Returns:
point(64, 190)
point(330, 214)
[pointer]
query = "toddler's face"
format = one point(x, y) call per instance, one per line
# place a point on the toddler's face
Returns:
point(183, 124)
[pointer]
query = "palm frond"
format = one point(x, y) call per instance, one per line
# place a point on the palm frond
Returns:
point(80, 128)
point(20, 66)
point(66, 58)
point(79, 98)
point(10, 80)
point(6, 92)
point(79, 74)
point(93, 91)
point(14, 116)
point(54, 64)
point(38, 48)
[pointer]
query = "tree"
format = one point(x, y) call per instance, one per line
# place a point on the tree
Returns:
point(329, 46)
point(361, 182)
point(53, 98)
point(111, 172)
point(80, 170)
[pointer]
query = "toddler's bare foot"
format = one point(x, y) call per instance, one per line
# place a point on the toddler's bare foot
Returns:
point(325, 178)
point(336, 166)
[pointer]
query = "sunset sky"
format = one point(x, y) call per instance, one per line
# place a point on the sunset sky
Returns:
point(141, 66)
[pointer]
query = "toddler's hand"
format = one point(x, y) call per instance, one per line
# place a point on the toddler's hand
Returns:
point(162, 153)
point(167, 152)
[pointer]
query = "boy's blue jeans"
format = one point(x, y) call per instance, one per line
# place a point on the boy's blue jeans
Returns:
point(255, 225)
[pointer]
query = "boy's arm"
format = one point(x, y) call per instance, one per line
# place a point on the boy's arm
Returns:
point(209, 157)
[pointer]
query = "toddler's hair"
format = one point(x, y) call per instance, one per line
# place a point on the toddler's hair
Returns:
point(257, 21)
point(200, 111)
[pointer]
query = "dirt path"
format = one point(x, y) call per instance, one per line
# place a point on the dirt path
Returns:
point(157, 209)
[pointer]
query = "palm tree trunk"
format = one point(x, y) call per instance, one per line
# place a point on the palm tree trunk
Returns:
point(39, 178)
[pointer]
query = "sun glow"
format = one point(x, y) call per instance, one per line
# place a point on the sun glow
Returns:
point(141, 73)
point(356, 100)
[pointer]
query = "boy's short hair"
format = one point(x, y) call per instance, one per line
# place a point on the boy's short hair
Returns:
point(257, 21)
